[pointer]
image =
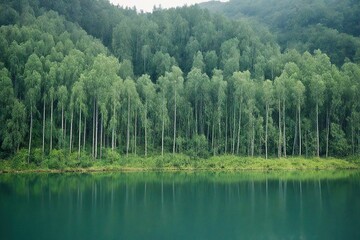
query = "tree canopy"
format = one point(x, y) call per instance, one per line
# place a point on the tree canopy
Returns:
point(86, 76)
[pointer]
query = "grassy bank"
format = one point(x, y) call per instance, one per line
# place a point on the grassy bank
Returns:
point(60, 161)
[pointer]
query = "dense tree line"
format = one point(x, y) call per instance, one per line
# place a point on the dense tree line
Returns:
point(329, 25)
point(194, 83)
point(154, 42)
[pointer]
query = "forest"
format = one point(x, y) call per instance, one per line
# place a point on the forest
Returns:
point(88, 78)
point(329, 25)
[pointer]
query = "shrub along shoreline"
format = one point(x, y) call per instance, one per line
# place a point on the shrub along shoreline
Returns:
point(59, 161)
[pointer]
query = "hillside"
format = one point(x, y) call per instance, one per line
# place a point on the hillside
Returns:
point(86, 78)
point(332, 26)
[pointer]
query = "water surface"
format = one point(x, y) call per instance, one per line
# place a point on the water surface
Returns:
point(317, 205)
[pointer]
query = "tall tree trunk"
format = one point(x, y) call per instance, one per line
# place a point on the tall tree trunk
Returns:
point(71, 130)
point(43, 130)
point(79, 144)
point(295, 135)
point(266, 130)
point(62, 126)
point(145, 133)
point(284, 126)
point(300, 143)
point(30, 135)
point(201, 118)
point(226, 129)
point(93, 130)
point(239, 131)
point(113, 130)
point(65, 132)
point(135, 132)
point(174, 140)
point(101, 133)
point(213, 138)
point(234, 131)
point(128, 129)
point(163, 127)
point(96, 129)
point(317, 131)
point(196, 116)
point(352, 139)
point(219, 131)
point(280, 138)
point(51, 123)
point(252, 137)
point(327, 132)
point(84, 140)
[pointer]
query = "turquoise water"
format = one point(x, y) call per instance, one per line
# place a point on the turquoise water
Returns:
point(180, 206)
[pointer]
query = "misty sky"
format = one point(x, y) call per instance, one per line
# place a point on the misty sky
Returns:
point(147, 6)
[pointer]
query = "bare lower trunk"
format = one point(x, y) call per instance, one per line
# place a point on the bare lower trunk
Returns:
point(266, 130)
point(101, 134)
point(93, 131)
point(128, 129)
point(174, 140)
point(79, 144)
point(226, 130)
point(284, 127)
point(145, 136)
point(84, 140)
point(51, 123)
point(62, 126)
point(300, 143)
point(234, 131)
point(239, 131)
point(65, 132)
point(295, 135)
point(30, 134)
point(113, 130)
point(43, 130)
point(352, 139)
point(317, 132)
point(96, 129)
point(196, 117)
point(327, 132)
point(213, 139)
point(163, 129)
point(135, 133)
point(280, 138)
point(253, 139)
point(71, 130)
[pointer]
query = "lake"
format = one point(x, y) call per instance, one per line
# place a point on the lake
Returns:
point(202, 205)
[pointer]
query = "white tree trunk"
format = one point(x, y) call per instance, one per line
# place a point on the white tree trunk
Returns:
point(71, 130)
point(128, 129)
point(30, 135)
point(317, 132)
point(43, 130)
point(51, 123)
point(174, 140)
point(300, 143)
point(79, 144)
point(266, 130)
point(239, 131)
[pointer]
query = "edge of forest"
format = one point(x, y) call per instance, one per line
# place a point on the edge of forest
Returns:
point(60, 163)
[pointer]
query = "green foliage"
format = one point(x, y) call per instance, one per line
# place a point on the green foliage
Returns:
point(199, 147)
point(181, 80)
point(339, 146)
point(19, 160)
point(305, 25)
point(112, 156)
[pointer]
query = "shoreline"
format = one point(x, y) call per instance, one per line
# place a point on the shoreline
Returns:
point(215, 164)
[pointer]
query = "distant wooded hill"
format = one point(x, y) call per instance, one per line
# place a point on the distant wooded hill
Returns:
point(330, 25)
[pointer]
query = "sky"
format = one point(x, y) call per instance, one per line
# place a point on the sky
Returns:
point(148, 5)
